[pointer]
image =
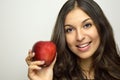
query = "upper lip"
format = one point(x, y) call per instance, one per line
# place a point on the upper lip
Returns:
point(82, 45)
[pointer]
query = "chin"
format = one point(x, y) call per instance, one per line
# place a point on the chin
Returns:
point(85, 57)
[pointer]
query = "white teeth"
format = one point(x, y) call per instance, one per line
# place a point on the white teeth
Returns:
point(84, 45)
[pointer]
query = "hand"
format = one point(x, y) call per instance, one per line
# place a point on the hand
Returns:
point(35, 71)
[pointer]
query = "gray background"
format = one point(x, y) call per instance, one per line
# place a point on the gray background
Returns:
point(23, 22)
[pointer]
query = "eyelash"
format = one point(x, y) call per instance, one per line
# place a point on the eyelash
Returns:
point(87, 25)
point(69, 30)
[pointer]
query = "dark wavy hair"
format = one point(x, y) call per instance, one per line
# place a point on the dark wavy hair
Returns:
point(106, 60)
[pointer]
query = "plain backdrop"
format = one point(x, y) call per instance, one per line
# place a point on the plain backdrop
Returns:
point(23, 22)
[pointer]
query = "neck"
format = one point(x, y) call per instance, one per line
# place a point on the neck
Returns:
point(87, 69)
point(86, 64)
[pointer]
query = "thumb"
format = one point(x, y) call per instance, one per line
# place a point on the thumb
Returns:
point(53, 63)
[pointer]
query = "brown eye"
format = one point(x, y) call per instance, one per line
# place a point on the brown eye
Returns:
point(87, 25)
point(68, 30)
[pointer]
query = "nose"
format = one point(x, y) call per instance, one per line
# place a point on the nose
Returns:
point(80, 35)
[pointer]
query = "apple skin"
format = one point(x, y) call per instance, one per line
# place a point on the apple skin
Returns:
point(44, 51)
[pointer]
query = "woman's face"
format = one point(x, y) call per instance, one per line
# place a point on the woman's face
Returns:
point(81, 34)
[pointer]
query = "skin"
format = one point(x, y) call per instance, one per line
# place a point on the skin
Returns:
point(82, 38)
point(81, 34)
point(35, 71)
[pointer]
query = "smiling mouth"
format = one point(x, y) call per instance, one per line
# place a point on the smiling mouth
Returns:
point(83, 45)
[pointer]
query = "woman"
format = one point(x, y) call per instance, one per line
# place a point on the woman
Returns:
point(86, 48)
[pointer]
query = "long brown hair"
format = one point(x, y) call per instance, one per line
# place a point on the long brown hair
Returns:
point(106, 61)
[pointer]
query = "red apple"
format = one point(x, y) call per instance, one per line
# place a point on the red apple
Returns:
point(44, 51)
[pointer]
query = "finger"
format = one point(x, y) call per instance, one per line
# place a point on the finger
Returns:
point(38, 63)
point(35, 66)
point(33, 69)
point(29, 57)
point(31, 54)
point(52, 64)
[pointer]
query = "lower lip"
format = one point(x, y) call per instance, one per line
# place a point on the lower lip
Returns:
point(84, 48)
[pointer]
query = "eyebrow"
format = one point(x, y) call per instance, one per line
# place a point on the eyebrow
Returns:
point(81, 22)
point(86, 20)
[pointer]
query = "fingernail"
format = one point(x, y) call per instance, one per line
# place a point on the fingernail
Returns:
point(33, 53)
point(42, 62)
point(39, 68)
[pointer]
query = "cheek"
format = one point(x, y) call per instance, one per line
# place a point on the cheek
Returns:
point(95, 36)
point(94, 33)
point(70, 38)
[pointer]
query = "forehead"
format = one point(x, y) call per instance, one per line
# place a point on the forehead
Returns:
point(76, 14)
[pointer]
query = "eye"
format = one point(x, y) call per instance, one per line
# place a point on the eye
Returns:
point(87, 25)
point(68, 30)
